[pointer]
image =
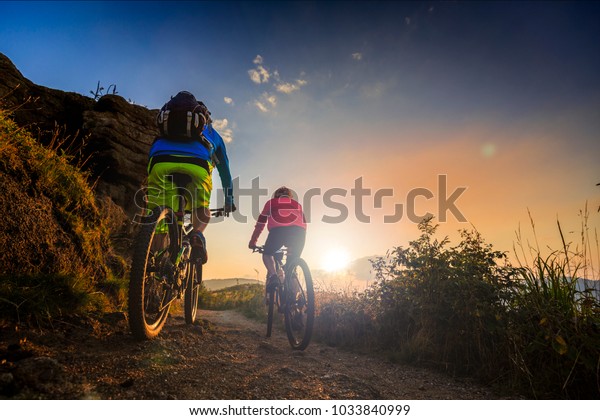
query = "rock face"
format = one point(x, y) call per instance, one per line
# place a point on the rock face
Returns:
point(120, 138)
point(115, 134)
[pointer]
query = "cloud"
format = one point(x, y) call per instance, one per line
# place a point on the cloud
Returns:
point(288, 88)
point(357, 56)
point(228, 100)
point(262, 107)
point(271, 99)
point(375, 90)
point(259, 74)
point(266, 102)
point(222, 126)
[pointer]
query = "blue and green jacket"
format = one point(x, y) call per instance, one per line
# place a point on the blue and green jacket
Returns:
point(194, 148)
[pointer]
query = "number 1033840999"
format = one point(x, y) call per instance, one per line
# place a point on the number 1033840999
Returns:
point(370, 409)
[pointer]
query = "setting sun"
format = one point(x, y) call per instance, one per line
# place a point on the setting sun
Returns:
point(336, 259)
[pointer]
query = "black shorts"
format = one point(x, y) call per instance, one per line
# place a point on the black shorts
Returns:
point(293, 237)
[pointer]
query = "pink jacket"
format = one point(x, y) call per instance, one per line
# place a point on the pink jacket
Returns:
point(278, 212)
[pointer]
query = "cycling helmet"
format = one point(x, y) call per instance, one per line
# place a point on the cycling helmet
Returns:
point(283, 192)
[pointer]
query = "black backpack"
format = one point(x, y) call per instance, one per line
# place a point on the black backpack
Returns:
point(181, 118)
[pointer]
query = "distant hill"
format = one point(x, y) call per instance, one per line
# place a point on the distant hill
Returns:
point(217, 284)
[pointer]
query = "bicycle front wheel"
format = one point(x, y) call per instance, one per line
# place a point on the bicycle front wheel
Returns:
point(271, 301)
point(194, 281)
point(299, 304)
point(150, 291)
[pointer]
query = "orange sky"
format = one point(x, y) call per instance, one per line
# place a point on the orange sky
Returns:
point(506, 174)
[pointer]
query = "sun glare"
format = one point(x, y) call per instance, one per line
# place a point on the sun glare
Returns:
point(336, 259)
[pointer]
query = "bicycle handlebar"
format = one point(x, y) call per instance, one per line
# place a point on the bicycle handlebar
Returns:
point(261, 249)
point(218, 212)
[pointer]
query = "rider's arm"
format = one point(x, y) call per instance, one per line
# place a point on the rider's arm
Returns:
point(223, 165)
point(260, 224)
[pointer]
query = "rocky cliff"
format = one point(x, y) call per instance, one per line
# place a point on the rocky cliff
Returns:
point(114, 133)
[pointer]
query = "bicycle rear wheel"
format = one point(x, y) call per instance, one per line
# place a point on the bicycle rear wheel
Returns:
point(150, 291)
point(299, 304)
point(192, 290)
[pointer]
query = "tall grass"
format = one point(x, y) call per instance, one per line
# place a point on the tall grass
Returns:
point(555, 329)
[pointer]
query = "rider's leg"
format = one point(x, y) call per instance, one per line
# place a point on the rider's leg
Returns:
point(201, 219)
point(272, 245)
point(200, 187)
point(269, 262)
point(295, 240)
point(160, 192)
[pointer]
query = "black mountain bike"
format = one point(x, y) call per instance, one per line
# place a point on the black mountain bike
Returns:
point(162, 269)
point(294, 296)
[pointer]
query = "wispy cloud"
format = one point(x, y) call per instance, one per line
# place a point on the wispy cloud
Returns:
point(288, 88)
point(266, 102)
point(222, 126)
point(357, 56)
point(228, 100)
point(262, 107)
point(259, 74)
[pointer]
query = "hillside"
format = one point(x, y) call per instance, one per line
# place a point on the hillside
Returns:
point(57, 256)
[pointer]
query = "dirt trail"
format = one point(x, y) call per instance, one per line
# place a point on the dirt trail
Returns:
point(224, 356)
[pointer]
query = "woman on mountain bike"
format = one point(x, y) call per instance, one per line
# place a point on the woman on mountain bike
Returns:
point(286, 225)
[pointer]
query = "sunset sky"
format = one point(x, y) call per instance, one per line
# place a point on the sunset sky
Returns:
point(500, 99)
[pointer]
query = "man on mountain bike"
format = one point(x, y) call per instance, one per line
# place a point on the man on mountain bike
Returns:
point(194, 153)
point(287, 227)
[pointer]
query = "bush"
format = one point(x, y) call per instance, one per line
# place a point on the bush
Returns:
point(467, 311)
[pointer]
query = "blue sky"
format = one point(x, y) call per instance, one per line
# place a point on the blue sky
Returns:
point(503, 98)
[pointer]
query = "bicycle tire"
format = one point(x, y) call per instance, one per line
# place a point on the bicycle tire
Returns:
point(190, 301)
point(271, 297)
point(299, 304)
point(149, 278)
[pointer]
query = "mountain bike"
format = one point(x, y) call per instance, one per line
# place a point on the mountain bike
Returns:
point(162, 268)
point(294, 296)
